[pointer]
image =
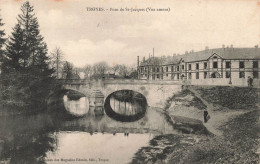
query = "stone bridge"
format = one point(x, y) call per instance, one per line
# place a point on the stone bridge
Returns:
point(156, 92)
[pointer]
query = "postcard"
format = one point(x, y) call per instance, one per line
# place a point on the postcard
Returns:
point(127, 81)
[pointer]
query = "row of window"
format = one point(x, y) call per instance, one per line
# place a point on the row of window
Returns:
point(215, 65)
point(214, 75)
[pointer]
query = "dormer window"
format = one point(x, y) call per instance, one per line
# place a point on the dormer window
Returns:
point(215, 57)
point(215, 64)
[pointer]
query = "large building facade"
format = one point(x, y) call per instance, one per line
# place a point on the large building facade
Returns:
point(222, 66)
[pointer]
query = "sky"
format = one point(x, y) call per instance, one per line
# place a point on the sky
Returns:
point(118, 37)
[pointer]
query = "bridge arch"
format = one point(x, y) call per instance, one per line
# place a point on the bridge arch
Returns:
point(133, 108)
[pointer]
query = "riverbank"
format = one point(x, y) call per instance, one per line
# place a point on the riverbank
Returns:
point(234, 122)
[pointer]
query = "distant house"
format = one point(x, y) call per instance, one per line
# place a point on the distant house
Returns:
point(109, 76)
point(221, 66)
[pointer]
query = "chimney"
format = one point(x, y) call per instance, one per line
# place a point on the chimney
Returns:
point(186, 52)
point(143, 59)
point(206, 48)
point(231, 46)
point(223, 45)
point(137, 61)
point(192, 51)
point(256, 46)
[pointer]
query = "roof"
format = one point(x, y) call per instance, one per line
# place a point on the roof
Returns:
point(225, 53)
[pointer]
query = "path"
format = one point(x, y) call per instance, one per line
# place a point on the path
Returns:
point(217, 117)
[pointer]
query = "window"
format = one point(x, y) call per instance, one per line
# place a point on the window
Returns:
point(215, 64)
point(157, 69)
point(228, 64)
point(241, 74)
point(255, 64)
point(189, 75)
point(166, 74)
point(172, 69)
point(166, 69)
point(205, 65)
point(197, 66)
point(162, 69)
point(205, 75)
point(189, 66)
point(157, 76)
point(228, 74)
point(178, 68)
point(197, 75)
point(182, 67)
point(255, 74)
point(178, 76)
point(241, 64)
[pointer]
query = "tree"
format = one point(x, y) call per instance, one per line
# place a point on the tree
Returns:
point(26, 58)
point(115, 68)
point(13, 59)
point(57, 60)
point(88, 71)
point(2, 40)
point(67, 70)
point(99, 69)
point(123, 70)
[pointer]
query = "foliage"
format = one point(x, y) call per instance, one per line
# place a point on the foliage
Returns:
point(103, 70)
point(26, 76)
point(67, 71)
point(99, 69)
point(57, 60)
point(2, 39)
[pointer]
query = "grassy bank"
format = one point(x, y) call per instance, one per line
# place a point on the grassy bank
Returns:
point(230, 97)
point(240, 133)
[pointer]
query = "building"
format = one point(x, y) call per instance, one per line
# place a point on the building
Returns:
point(221, 66)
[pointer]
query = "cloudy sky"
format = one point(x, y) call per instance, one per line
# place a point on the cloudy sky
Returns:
point(87, 37)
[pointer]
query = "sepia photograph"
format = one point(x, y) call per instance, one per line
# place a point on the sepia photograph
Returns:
point(129, 82)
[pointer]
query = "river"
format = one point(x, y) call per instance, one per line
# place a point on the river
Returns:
point(91, 138)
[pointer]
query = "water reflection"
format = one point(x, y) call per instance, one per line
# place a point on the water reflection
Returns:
point(97, 147)
point(76, 107)
point(126, 105)
point(26, 139)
